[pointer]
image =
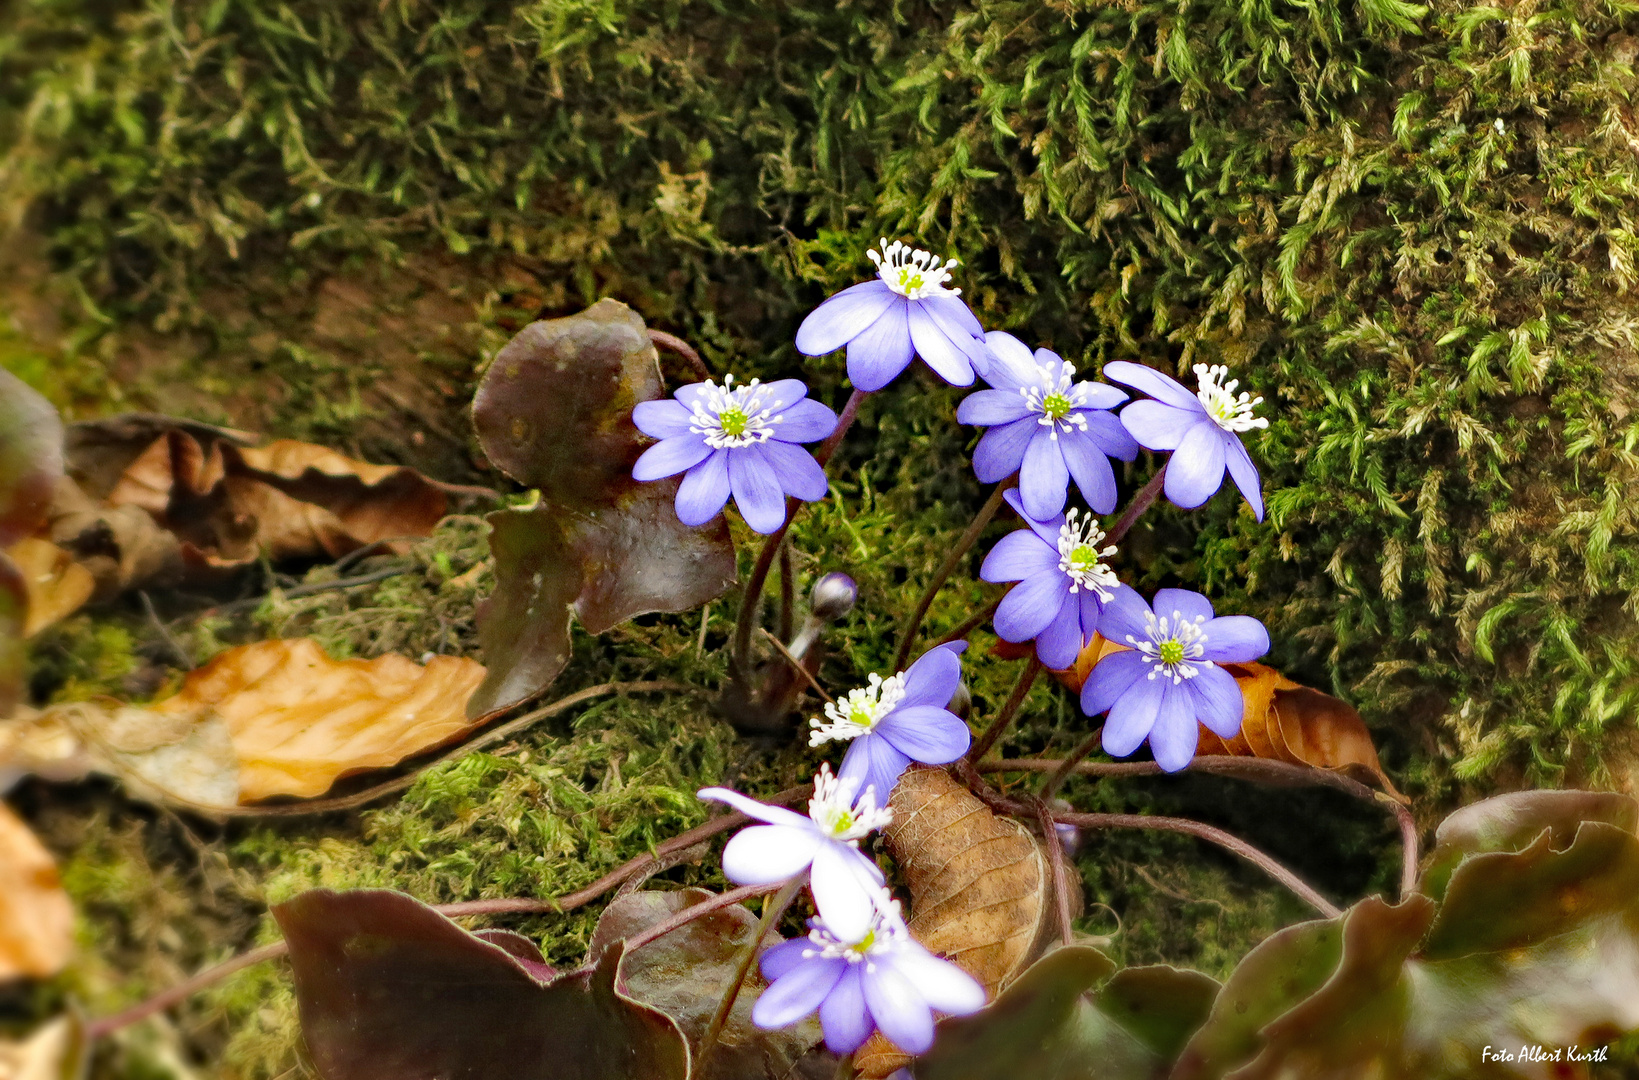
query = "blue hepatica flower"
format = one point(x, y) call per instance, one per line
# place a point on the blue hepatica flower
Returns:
point(1046, 427)
point(1203, 430)
point(1063, 582)
point(880, 979)
point(738, 440)
point(895, 721)
point(1169, 678)
point(845, 881)
point(907, 311)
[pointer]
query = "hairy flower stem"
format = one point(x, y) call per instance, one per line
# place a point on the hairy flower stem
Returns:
point(1260, 859)
point(1057, 779)
point(740, 654)
point(907, 636)
point(673, 343)
point(1021, 689)
point(521, 905)
point(1141, 502)
point(1061, 886)
point(696, 911)
point(773, 908)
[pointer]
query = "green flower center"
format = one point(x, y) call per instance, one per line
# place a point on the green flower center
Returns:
point(1083, 558)
point(734, 421)
point(909, 280)
point(1172, 652)
point(1056, 406)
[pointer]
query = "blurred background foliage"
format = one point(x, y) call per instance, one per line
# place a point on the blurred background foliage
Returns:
point(1411, 229)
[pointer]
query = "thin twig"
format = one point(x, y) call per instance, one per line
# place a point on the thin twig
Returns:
point(773, 908)
point(1061, 885)
point(1021, 690)
point(797, 665)
point(1264, 862)
point(164, 631)
point(675, 344)
point(907, 636)
point(1057, 779)
point(1141, 502)
point(697, 911)
point(502, 906)
point(310, 589)
point(740, 652)
point(488, 738)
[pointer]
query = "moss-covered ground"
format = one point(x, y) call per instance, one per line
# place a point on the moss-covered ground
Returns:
point(1411, 229)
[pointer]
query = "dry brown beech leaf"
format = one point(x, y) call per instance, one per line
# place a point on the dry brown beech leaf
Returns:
point(1284, 721)
point(41, 744)
point(56, 1051)
point(36, 918)
point(980, 884)
point(122, 547)
point(278, 718)
point(57, 586)
point(288, 499)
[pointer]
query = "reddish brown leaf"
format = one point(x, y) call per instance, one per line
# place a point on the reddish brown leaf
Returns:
point(36, 919)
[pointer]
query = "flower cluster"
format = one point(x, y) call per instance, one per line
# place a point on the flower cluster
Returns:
point(1044, 429)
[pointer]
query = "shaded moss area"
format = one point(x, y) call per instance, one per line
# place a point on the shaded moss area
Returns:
point(1409, 229)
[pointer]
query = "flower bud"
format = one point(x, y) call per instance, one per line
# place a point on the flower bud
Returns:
point(834, 596)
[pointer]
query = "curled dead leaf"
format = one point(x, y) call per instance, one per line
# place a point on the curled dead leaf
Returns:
point(57, 1051)
point(1284, 721)
point(980, 884)
point(36, 918)
point(269, 719)
point(56, 585)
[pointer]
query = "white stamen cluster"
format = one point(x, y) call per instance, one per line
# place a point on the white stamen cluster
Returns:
point(731, 416)
point(912, 272)
point(859, 712)
point(1080, 557)
point(1218, 398)
point(834, 810)
point(1057, 399)
point(1174, 646)
point(887, 934)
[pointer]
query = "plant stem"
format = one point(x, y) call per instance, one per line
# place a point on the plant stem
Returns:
point(672, 343)
point(1061, 885)
point(1141, 502)
point(1408, 843)
point(798, 666)
point(1263, 861)
point(1057, 779)
point(907, 636)
point(773, 908)
point(740, 654)
point(696, 911)
point(1021, 689)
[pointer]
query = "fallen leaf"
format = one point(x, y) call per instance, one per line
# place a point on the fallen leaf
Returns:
point(57, 1051)
point(99, 452)
point(41, 744)
point(389, 989)
point(685, 973)
point(554, 412)
point(274, 718)
point(1283, 721)
point(57, 586)
point(36, 919)
point(31, 463)
point(980, 887)
point(1052, 1024)
point(122, 547)
point(1536, 942)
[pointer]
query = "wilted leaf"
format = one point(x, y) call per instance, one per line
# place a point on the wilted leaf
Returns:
point(1535, 947)
point(685, 973)
point(1283, 721)
point(56, 1051)
point(980, 886)
point(554, 411)
point(37, 744)
point(57, 586)
point(99, 452)
point(1051, 1024)
point(276, 718)
point(36, 919)
point(1511, 822)
point(31, 458)
point(389, 989)
point(122, 547)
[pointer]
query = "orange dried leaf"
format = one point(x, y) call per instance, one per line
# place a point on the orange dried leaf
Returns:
point(57, 586)
point(56, 1051)
point(980, 885)
point(36, 919)
point(300, 720)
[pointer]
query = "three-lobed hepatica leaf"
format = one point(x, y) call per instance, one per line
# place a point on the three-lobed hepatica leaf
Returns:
point(1534, 941)
point(1055, 1022)
point(685, 974)
point(554, 411)
point(389, 989)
